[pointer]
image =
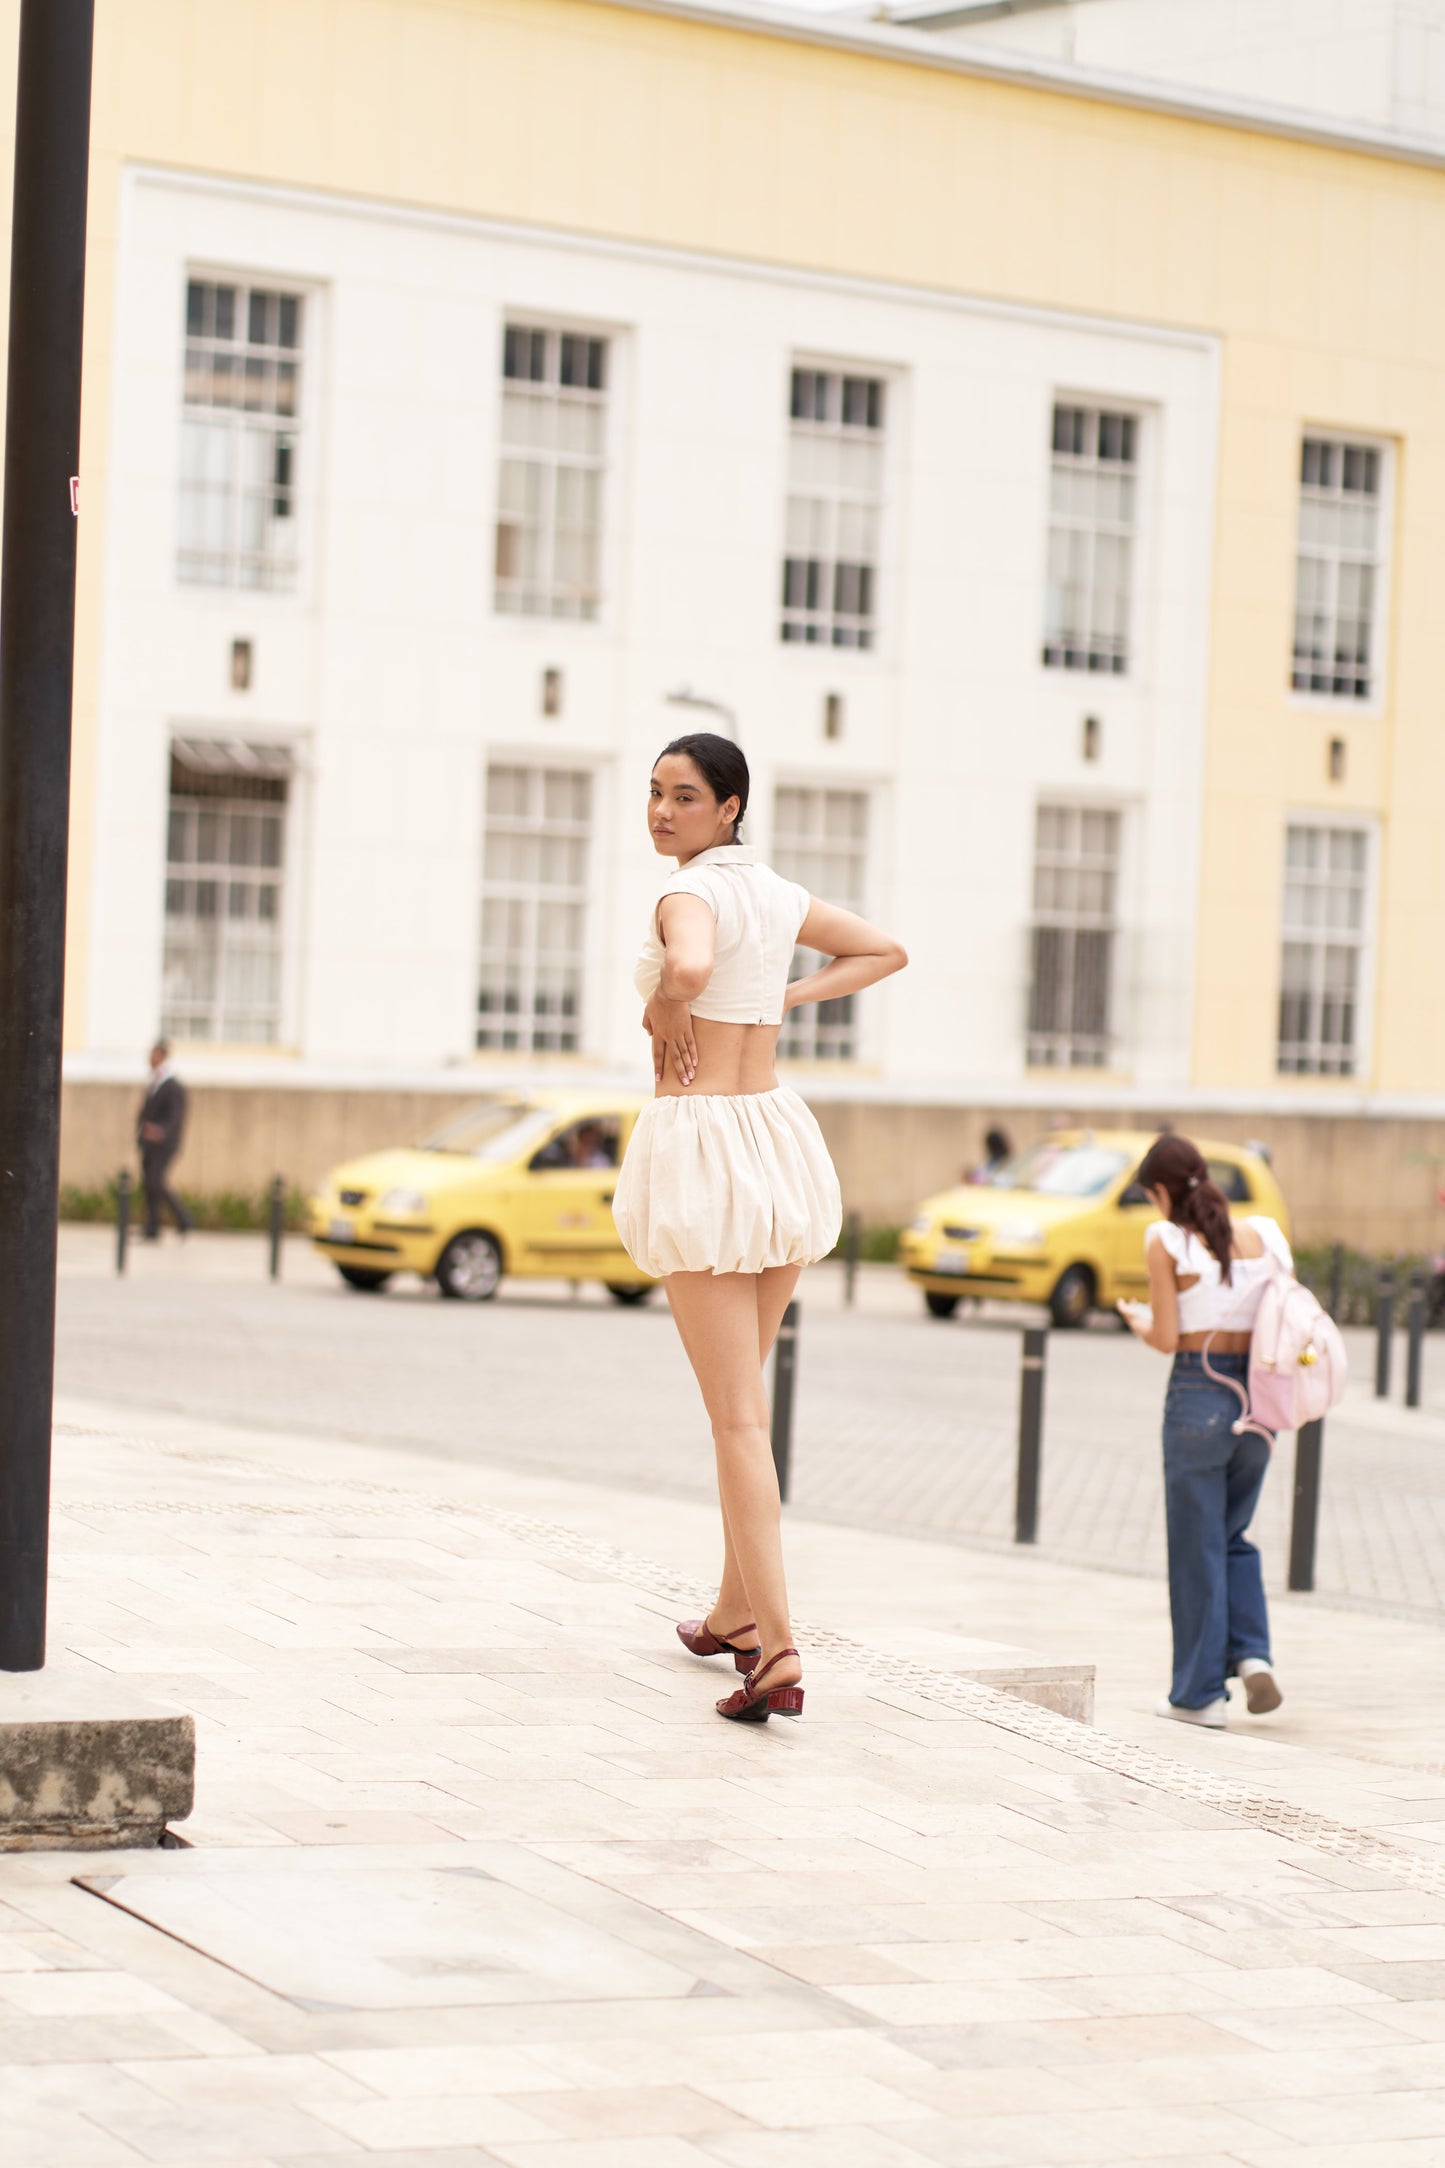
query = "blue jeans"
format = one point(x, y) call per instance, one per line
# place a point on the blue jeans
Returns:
point(1212, 1482)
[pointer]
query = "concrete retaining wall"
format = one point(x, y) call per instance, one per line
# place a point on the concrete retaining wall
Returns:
point(1351, 1178)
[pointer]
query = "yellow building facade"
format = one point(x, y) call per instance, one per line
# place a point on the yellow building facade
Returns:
point(1314, 262)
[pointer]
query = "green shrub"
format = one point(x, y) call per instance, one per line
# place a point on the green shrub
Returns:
point(1359, 1278)
point(224, 1211)
point(876, 1245)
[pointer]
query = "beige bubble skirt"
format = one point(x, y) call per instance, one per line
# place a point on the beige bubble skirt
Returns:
point(719, 1182)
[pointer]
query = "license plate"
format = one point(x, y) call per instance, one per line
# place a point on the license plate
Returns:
point(343, 1230)
point(954, 1262)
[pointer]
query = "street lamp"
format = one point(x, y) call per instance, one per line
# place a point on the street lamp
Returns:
point(683, 696)
point(37, 659)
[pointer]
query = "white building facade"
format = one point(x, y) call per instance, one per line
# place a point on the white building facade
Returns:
point(416, 522)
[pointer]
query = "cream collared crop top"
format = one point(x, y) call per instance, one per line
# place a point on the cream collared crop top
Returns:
point(758, 915)
point(1211, 1306)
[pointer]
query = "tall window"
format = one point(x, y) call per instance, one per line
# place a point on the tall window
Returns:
point(1325, 871)
point(1337, 577)
point(1093, 508)
point(225, 869)
point(835, 503)
point(534, 908)
point(820, 838)
point(238, 435)
point(554, 452)
point(1076, 881)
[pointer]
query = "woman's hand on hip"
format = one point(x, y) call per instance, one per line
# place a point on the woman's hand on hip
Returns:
point(669, 1024)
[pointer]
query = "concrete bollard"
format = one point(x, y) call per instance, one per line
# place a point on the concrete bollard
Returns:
point(785, 1370)
point(1034, 1350)
point(1415, 1341)
point(1384, 1329)
point(1309, 1446)
point(123, 1187)
point(277, 1224)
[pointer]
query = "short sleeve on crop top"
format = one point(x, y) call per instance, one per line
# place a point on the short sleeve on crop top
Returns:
point(1192, 1255)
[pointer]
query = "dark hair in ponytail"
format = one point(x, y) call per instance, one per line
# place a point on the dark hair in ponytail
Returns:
point(721, 765)
point(1196, 1203)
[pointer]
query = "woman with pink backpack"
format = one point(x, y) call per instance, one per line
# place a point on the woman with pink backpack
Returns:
point(1214, 1282)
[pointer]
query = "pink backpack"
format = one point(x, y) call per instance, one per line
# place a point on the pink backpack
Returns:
point(1297, 1361)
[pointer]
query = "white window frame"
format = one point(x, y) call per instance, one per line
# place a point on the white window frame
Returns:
point(1372, 702)
point(1114, 1039)
point(841, 367)
point(285, 578)
point(587, 1022)
point(1354, 824)
point(805, 1036)
point(1140, 415)
point(555, 329)
point(288, 880)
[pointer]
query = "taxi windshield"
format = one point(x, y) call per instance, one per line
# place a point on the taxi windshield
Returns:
point(1062, 1170)
point(497, 1129)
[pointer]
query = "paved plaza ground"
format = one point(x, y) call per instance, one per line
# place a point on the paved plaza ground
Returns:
point(477, 1877)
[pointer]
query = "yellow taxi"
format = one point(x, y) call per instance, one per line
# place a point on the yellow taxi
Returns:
point(520, 1184)
point(1062, 1224)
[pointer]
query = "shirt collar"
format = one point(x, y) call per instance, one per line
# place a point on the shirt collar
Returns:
point(726, 854)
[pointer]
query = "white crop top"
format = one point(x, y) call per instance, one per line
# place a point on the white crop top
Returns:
point(1211, 1306)
point(758, 915)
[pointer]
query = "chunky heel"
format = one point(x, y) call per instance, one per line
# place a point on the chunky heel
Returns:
point(754, 1704)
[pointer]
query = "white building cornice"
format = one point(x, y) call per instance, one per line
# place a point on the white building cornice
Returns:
point(908, 47)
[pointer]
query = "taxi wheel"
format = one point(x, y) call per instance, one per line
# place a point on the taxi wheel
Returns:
point(367, 1282)
point(630, 1295)
point(941, 1305)
point(470, 1267)
point(1073, 1297)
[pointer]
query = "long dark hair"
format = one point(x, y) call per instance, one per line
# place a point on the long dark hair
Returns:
point(1196, 1203)
point(721, 765)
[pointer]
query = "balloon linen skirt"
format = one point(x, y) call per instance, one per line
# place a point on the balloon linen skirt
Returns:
point(727, 1183)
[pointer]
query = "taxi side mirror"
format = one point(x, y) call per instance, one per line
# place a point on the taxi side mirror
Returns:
point(1136, 1193)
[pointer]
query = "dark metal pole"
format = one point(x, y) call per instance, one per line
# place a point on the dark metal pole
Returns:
point(785, 1370)
point(37, 659)
point(1384, 1327)
point(1031, 1433)
point(1415, 1352)
point(1309, 1446)
point(278, 1226)
point(1337, 1280)
point(850, 1258)
point(122, 1216)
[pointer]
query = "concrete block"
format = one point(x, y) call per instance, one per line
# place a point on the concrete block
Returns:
point(87, 1766)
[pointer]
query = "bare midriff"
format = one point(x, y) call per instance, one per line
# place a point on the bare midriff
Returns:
point(732, 1059)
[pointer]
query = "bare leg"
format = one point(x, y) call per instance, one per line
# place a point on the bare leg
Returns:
point(718, 1320)
point(775, 1292)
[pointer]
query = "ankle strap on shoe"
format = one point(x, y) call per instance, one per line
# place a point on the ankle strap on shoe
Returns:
point(763, 1669)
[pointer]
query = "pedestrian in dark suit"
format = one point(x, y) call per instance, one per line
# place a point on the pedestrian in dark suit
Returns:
point(160, 1126)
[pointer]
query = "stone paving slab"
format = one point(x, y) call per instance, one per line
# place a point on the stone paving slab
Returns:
point(931, 1923)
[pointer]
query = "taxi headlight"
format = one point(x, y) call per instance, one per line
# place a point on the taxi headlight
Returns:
point(921, 1226)
point(1019, 1235)
point(403, 1200)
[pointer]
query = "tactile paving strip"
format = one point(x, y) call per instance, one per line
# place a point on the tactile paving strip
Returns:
point(1081, 1742)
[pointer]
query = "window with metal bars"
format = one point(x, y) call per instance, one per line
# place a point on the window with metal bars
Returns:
point(1322, 957)
point(1071, 989)
point(535, 853)
point(1339, 568)
point(553, 465)
point(239, 435)
point(1093, 509)
point(820, 839)
point(225, 873)
point(835, 509)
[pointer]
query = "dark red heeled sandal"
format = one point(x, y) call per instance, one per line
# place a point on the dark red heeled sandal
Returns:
point(699, 1639)
point(754, 1704)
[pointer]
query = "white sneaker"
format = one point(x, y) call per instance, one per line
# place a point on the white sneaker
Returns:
point(1212, 1715)
point(1261, 1687)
